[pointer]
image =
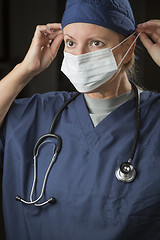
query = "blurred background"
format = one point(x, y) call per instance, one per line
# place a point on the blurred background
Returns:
point(18, 20)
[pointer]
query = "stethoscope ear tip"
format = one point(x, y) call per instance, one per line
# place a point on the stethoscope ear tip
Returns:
point(18, 198)
point(52, 200)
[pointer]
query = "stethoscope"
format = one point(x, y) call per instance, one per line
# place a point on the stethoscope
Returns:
point(125, 173)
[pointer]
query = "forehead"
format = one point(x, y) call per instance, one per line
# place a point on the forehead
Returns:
point(87, 30)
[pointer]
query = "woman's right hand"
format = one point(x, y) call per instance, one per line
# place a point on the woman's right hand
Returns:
point(40, 55)
point(44, 47)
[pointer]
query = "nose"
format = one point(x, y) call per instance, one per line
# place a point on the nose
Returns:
point(81, 50)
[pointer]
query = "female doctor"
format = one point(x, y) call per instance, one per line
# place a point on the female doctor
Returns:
point(96, 175)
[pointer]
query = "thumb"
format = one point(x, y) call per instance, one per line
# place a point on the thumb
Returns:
point(56, 44)
point(146, 42)
point(152, 48)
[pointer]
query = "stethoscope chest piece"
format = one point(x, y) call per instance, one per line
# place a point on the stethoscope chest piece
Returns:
point(126, 172)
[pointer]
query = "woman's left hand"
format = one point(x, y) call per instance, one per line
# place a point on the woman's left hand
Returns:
point(151, 43)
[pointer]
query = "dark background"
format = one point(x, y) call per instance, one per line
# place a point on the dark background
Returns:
point(18, 20)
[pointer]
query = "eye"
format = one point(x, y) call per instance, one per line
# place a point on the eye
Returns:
point(97, 43)
point(69, 43)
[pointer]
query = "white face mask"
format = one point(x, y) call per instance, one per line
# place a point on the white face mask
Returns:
point(90, 70)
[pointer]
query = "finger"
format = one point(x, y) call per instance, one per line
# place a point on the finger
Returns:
point(54, 26)
point(42, 28)
point(43, 35)
point(56, 44)
point(149, 27)
point(155, 22)
point(54, 34)
point(152, 48)
point(148, 24)
point(40, 37)
point(46, 30)
point(146, 41)
point(155, 37)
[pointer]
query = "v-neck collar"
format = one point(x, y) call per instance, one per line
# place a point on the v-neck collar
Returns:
point(114, 120)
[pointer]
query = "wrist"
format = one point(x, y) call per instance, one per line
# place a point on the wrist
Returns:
point(16, 80)
point(24, 73)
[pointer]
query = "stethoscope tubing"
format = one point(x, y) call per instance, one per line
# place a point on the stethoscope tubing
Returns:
point(137, 114)
point(126, 172)
point(38, 144)
point(120, 172)
point(60, 111)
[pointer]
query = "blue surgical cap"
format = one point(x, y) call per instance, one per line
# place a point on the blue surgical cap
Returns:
point(116, 15)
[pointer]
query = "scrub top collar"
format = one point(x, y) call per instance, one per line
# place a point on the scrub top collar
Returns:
point(92, 134)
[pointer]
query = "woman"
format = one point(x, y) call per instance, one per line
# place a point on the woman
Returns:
point(97, 130)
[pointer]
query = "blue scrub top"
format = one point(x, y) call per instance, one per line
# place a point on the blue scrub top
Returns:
point(91, 203)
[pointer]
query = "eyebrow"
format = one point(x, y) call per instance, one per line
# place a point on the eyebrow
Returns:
point(94, 37)
point(69, 36)
point(99, 38)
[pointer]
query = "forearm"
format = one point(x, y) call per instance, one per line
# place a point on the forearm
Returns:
point(39, 57)
point(10, 87)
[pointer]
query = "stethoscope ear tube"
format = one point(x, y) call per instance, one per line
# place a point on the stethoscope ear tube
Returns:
point(126, 172)
point(43, 138)
point(61, 110)
point(41, 141)
point(137, 118)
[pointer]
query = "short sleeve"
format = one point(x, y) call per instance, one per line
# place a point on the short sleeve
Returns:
point(28, 117)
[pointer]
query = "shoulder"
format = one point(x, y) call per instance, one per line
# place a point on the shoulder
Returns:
point(40, 102)
point(149, 98)
point(150, 104)
point(52, 97)
point(34, 110)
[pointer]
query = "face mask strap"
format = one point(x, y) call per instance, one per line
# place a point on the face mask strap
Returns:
point(129, 47)
point(123, 41)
